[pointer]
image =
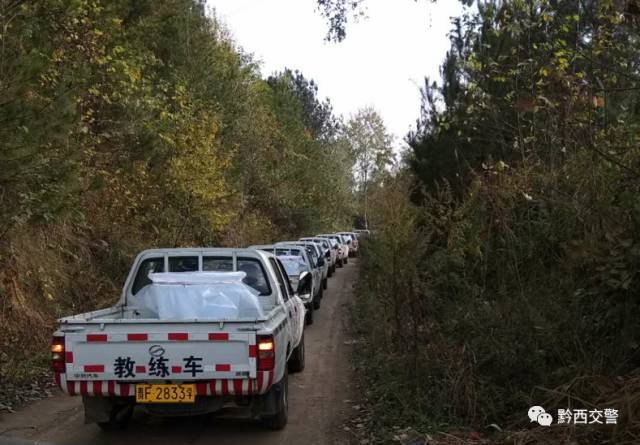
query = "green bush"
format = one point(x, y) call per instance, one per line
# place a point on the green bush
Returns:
point(471, 311)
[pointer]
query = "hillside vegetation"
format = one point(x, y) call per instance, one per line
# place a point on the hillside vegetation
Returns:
point(130, 124)
point(504, 273)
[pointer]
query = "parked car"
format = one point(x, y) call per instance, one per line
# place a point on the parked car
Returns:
point(311, 299)
point(346, 240)
point(315, 250)
point(335, 247)
point(330, 253)
point(353, 247)
point(341, 248)
point(194, 329)
point(318, 264)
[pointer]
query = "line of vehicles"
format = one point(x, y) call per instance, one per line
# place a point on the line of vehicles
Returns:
point(199, 329)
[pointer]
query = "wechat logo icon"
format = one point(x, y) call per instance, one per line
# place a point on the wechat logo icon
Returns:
point(539, 415)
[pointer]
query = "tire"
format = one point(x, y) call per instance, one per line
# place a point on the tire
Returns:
point(346, 260)
point(296, 362)
point(325, 282)
point(279, 420)
point(316, 300)
point(118, 419)
point(308, 318)
point(340, 263)
point(330, 272)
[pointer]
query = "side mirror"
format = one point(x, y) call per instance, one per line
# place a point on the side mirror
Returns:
point(304, 283)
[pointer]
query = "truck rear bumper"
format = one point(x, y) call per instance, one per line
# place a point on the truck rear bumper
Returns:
point(101, 409)
point(202, 405)
point(218, 387)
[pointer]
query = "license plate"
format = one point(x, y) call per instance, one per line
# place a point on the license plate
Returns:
point(165, 393)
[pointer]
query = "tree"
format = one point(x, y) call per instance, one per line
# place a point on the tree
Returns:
point(317, 114)
point(524, 82)
point(371, 148)
point(338, 12)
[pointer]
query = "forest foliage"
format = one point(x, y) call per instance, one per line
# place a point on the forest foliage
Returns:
point(505, 269)
point(130, 124)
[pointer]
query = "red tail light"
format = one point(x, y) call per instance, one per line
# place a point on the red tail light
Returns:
point(57, 354)
point(266, 353)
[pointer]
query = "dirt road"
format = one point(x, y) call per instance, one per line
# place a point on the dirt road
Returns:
point(319, 399)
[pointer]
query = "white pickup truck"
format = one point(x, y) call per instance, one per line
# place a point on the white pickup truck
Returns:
point(194, 330)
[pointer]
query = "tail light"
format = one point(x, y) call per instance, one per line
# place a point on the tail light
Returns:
point(57, 354)
point(266, 353)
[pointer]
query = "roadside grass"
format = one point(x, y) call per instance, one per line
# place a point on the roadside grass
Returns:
point(390, 409)
point(25, 378)
point(21, 369)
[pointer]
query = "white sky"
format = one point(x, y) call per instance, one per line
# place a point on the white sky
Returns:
point(382, 62)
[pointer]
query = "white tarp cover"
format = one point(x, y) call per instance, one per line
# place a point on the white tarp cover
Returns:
point(199, 295)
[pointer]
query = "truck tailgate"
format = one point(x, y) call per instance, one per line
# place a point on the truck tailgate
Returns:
point(160, 356)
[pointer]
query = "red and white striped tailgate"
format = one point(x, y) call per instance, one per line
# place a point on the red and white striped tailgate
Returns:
point(92, 360)
point(220, 387)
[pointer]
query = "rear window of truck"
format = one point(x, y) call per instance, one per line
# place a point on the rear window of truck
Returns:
point(183, 264)
point(256, 276)
point(288, 251)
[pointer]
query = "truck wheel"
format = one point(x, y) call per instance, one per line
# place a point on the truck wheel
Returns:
point(118, 419)
point(281, 392)
point(325, 283)
point(316, 300)
point(296, 362)
point(309, 316)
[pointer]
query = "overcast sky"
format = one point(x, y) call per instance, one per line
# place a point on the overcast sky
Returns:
point(382, 62)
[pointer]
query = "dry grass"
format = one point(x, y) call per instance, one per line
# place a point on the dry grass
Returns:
point(45, 273)
point(622, 393)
